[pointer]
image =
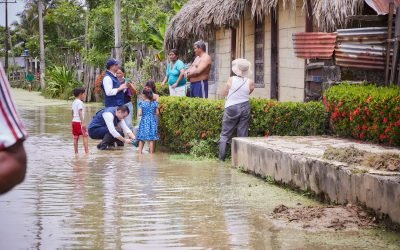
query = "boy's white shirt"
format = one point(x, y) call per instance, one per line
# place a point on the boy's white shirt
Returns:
point(76, 106)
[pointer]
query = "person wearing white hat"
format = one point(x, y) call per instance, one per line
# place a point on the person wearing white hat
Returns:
point(237, 104)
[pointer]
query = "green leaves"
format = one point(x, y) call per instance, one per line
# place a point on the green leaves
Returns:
point(194, 124)
point(61, 82)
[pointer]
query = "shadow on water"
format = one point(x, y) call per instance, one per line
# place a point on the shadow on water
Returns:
point(121, 200)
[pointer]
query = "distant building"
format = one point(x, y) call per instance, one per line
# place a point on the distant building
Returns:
point(19, 61)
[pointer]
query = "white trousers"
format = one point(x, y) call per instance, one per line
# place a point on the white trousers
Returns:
point(178, 91)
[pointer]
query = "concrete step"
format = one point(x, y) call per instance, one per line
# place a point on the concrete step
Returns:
point(297, 161)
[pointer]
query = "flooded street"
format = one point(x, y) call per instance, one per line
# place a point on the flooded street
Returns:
point(121, 200)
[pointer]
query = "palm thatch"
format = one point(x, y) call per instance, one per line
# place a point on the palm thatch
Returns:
point(201, 18)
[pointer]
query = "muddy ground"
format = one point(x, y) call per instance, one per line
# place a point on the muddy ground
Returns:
point(354, 156)
point(331, 218)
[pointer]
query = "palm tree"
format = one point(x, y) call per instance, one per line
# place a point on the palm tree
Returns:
point(28, 18)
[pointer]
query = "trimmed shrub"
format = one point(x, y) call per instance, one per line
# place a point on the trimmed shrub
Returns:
point(365, 112)
point(162, 90)
point(187, 120)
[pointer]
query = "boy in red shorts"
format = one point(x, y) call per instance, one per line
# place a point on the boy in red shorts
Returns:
point(78, 122)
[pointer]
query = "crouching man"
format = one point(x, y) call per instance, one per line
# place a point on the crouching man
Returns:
point(103, 126)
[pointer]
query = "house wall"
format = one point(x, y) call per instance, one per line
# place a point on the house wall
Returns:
point(266, 92)
point(291, 68)
point(222, 60)
point(249, 50)
point(248, 29)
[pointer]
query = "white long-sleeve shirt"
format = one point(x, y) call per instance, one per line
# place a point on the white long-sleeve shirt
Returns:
point(108, 85)
point(109, 119)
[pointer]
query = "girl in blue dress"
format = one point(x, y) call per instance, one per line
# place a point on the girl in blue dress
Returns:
point(148, 127)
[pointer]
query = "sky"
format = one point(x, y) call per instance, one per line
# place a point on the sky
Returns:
point(13, 10)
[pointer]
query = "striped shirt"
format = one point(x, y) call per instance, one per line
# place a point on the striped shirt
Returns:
point(11, 127)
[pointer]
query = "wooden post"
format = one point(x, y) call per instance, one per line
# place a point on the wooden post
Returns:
point(243, 37)
point(388, 46)
point(396, 47)
point(309, 17)
point(117, 27)
point(233, 48)
point(275, 54)
point(41, 37)
point(87, 13)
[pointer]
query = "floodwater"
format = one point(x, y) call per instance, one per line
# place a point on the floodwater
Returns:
point(120, 200)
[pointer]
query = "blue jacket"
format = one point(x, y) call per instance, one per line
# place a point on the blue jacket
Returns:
point(116, 100)
point(98, 120)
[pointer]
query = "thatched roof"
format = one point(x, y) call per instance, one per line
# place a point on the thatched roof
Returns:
point(200, 18)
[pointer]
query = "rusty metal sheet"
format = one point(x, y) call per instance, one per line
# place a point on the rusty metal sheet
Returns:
point(360, 56)
point(310, 45)
point(373, 35)
point(381, 7)
point(361, 48)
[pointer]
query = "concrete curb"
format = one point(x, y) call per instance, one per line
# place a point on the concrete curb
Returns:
point(297, 161)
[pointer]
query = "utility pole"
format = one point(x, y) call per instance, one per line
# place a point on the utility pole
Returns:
point(117, 28)
point(11, 47)
point(41, 37)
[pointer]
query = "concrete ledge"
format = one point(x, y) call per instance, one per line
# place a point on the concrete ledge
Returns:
point(297, 161)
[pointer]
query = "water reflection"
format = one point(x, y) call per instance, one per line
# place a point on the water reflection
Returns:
point(121, 200)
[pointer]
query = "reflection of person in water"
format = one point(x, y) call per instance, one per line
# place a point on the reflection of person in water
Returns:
point(80, 172)
point(12, 135)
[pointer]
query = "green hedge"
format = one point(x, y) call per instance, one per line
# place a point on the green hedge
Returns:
point(187, 121)
point(365, 112)
point(162, 90)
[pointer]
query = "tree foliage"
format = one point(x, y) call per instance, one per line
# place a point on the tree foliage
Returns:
point(144, 23)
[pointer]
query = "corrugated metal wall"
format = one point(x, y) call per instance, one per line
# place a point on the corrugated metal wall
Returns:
point(310, 45)
point(361, 48)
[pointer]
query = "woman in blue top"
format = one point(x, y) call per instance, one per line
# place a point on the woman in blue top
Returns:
point(175, 75)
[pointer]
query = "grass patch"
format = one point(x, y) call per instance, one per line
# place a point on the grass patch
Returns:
point(188, 157)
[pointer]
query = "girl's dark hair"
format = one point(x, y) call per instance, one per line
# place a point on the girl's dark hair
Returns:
point(152, 85)
point(148, 93)
point(122, 69)
point(175, 51)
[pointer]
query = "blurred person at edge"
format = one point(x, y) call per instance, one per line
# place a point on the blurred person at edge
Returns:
point(12, 135)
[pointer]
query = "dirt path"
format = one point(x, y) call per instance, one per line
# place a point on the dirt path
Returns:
point(24, 97)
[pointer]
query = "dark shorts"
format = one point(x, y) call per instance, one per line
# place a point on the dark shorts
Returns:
point(77, 130)
point(199, 89)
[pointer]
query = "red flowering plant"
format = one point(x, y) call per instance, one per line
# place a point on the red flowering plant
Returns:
point(365, 112)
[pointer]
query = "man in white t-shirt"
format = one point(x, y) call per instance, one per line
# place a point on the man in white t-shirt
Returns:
point(78, 121)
